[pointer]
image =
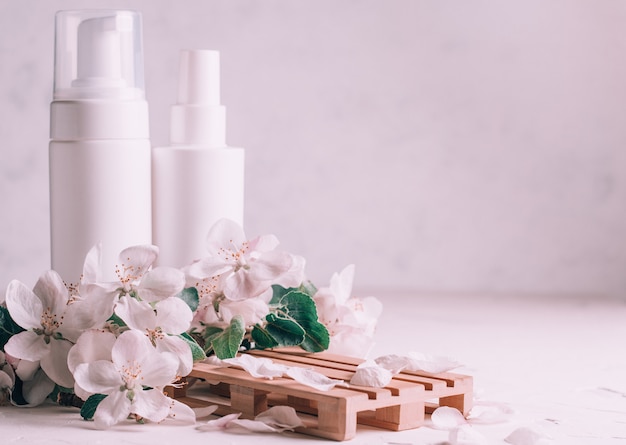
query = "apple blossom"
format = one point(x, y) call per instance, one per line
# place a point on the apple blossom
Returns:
point(132, 380)
point(51, 321)
point(350, 321)
point(248, 267)
point(161, 323)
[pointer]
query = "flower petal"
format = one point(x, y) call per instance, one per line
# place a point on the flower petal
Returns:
point(264, 243)
point(52, 292)
point(281, 418)
point(224, 234)
point(92, 264)
point(55, 363)
point(136, 314)
point(207, 268)
point(90, 311)
point(24, 306)
point(37, 390)
point(173, 315)
point(370, 374)
point(5, 380)
point(161, 283)
point(253, 310)
point(157, 368)
point(180, 348)
point(270, 265)
point(259, 367)
point(151, 404)
point(135, 261)
point(26, 369)
point(433, 364)
point(26, 346)
point(111, 410)
point(241, 286)
point(295, 275)
point(91, 346)
point(447, 418)
point(131, 346)
point(341, 284)
point(313, 379)
point(181, 413)
point(100, 376)
point(528, 436)
point(219, 423)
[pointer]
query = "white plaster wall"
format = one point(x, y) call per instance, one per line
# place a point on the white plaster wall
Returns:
point(453, 145)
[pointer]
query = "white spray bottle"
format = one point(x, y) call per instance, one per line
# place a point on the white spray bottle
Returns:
point(100, 187)
point(198, 179)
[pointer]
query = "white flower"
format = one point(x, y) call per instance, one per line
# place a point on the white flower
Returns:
point(135, 274)
point(52, 322)
point(134, 364)
point(350, 321)
point(248, 267)
point(161, 324)
point(220, 312)
point(92, 345)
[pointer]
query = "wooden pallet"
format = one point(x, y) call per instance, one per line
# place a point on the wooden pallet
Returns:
point(330, 414)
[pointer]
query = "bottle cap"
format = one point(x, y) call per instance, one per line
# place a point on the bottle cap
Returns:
point(198, 118)
point(98, 54)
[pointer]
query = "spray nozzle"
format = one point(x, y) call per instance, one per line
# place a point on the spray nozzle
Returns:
point(98, 55)
point(198, 118)
point(199, 78)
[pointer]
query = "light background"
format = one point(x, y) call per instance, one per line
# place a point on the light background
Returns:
point(441, 146)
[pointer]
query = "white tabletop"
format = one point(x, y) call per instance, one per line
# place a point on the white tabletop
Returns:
point(557, 364)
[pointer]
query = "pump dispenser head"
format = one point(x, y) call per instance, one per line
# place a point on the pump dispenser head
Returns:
point(198, 118)
point(98, 54)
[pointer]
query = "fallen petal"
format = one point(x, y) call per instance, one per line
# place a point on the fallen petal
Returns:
point(219, 423)
point(527, 436)
point(392, 362)
point(281, 418)
point(430, 363)
point(205, 411)
point(259, 367)
point(489, 413)
point(372, 375)
point(313, 379)
point(447, 418)
point(466, 435)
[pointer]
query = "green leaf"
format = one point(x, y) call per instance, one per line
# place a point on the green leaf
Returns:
point(262, 338)
point(299, 306)
point(190, 296)
point(89, 408)
point(8, 327)
point(302, 309)
point(196, 351)
point(117, 320)
point(316, 339)
point(226, 343)
point(278, 292)
point(285, 331)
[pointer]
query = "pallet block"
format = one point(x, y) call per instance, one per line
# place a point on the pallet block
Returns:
point(330, 414)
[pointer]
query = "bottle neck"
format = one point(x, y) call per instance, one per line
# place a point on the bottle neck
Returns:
point(198, 125)
point(98, 119)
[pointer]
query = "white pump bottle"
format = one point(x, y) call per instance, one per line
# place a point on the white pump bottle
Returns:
point(198, 179)
point(100, 188)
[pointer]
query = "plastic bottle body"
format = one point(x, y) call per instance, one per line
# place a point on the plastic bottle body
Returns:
point(99, 193)
point(192, 189)
point(198, 179)
point(100, 186)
